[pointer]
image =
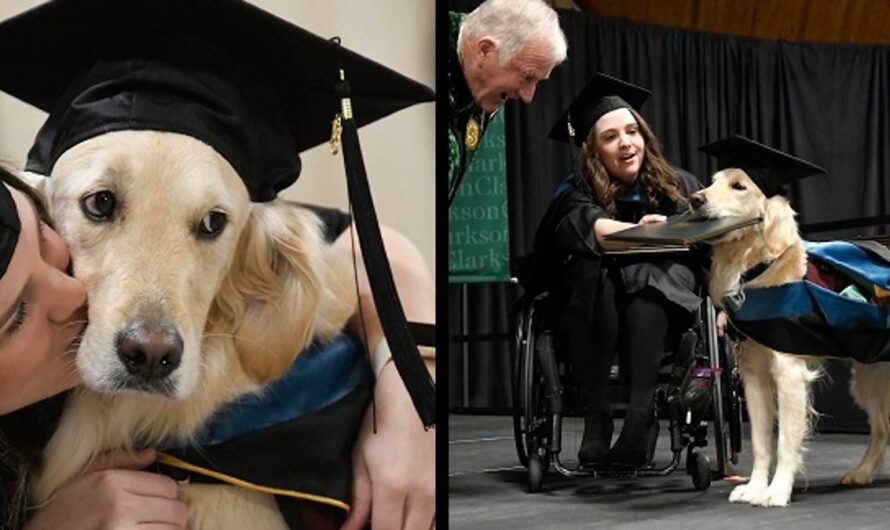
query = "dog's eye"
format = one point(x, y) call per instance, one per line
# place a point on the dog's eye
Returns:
point(99, 206)
point(738, 186)
point(212, 224)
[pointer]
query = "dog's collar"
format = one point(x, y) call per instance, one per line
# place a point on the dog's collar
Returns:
point(755, 271)
point(752, 273)
point(734, 301)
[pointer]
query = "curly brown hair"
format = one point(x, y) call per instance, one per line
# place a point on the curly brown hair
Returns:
point(657, 178)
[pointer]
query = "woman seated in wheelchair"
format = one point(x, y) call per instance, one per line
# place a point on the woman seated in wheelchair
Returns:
point(603, 301)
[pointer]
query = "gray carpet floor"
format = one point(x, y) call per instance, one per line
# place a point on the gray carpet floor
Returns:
point(487, 488)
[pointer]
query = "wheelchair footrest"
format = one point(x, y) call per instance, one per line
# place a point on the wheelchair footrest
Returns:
point(617, 472)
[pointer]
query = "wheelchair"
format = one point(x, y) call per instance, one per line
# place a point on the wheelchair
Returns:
point(704, 387)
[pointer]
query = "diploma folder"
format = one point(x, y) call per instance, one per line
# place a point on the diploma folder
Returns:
point(682, 230)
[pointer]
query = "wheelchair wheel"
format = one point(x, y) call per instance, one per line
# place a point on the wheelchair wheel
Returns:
point(538, 465)
point(537, 418)
point(523, 349)
point(732, 403)
point(722, 420)
point(532, 415)
point(698, 465)
point(726, 396)
point(535, 473)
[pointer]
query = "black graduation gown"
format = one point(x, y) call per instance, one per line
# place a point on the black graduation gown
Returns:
point(295, 439)
point(568, 261)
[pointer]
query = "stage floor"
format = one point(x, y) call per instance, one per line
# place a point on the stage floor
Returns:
point(487, 488)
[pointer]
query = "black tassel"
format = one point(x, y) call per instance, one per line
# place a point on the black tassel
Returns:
point(404, 350)
point(405, 355)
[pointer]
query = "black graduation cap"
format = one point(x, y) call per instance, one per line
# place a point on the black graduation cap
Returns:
point(769, 168)
point(10, 227)
point(253, 86)
point(602, 94)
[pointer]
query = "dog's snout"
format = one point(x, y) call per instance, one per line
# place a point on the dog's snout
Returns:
point(149, 350)
point(697, 200)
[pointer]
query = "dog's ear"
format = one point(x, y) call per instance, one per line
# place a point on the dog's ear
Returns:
point(35, 180)
point(779, 226)
point(283, 290)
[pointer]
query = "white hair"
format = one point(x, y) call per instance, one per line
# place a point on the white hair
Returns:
point(511, 24)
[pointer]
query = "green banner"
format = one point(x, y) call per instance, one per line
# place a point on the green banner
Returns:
point(478, 238)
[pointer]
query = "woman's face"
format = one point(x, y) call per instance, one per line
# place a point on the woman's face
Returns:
point(42, 312)
point(620, 144)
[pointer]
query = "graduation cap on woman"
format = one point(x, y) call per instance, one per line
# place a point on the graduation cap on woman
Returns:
point(256, 88)
point(772, 170)
point(602, 94)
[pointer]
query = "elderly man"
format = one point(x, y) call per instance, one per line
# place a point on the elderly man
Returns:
point(501, 50)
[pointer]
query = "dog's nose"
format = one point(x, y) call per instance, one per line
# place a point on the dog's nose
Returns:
point(150, 350)
point(697, 200)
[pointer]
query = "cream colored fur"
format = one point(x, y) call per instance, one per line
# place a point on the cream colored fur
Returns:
point(774, 382)
point(870, 387)
point(770, 377)
point(245, 303)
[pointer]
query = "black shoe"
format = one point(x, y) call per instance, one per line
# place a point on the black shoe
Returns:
point(598, 428)
point(635, 447)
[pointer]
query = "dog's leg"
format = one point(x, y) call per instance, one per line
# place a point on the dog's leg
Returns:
point(754, 364)
point(73, 446)
point(216, 507)
point(870, 390)
point(792, 378)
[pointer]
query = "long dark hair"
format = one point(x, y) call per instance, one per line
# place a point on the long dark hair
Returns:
point(23, 432)
point(657, 178)
point(14, 467)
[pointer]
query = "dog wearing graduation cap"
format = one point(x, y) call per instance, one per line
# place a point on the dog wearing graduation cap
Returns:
point(172, 126)
point(766, 258)
point(749, 183)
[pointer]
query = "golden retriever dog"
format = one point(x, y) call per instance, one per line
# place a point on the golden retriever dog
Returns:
point(773, 381)
point(196, 296)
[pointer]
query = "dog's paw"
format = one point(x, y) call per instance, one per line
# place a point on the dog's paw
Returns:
point(748, 493)
point(857, 477)
point(775, 495)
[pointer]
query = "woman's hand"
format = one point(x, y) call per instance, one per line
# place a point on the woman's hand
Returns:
point(394, 469)
point(652, 218)
point(721, 323)
point(394, 484)
point(113, 492)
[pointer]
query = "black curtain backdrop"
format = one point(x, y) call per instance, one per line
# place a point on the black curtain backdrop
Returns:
point(825, 103)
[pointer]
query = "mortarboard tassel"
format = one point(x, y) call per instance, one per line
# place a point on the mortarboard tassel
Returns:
point(405, 355)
